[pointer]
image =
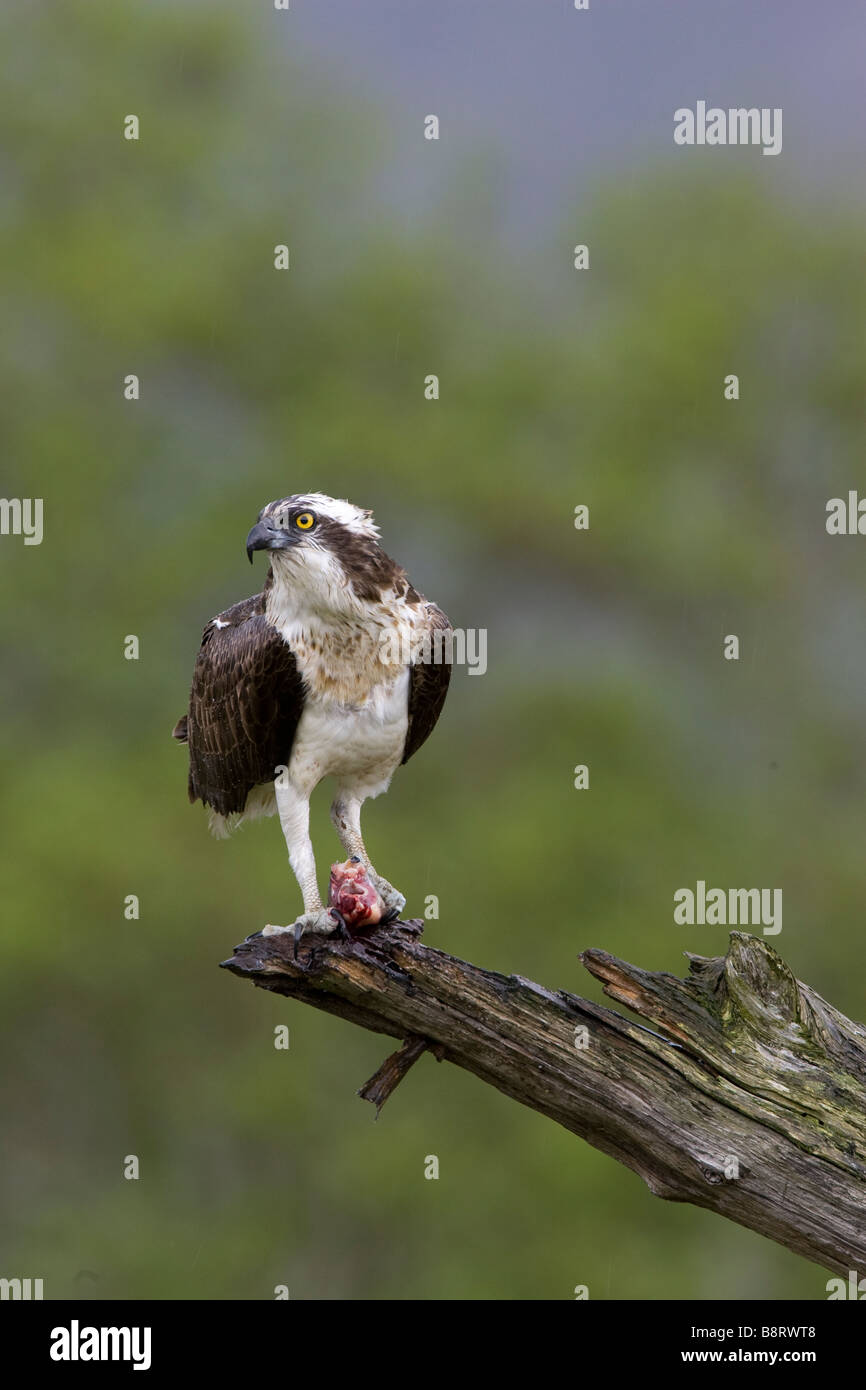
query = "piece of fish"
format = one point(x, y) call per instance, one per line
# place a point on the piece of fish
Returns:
point(355, 898)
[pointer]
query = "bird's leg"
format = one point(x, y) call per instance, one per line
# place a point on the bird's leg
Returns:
point(346, 816)
point(294, 812)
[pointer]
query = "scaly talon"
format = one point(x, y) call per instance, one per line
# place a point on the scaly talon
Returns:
point(323, 923)
point(392, 898)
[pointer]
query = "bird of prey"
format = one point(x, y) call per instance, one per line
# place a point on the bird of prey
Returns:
point(339, 668)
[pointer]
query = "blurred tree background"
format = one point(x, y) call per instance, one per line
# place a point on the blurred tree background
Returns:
point(260, 1167)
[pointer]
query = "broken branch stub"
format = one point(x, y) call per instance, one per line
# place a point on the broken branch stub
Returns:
point(746, 1094)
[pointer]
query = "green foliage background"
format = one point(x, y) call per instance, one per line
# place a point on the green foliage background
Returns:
point(261, 1167)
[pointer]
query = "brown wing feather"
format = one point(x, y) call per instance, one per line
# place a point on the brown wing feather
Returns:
point(244, 706)
point(428, 686)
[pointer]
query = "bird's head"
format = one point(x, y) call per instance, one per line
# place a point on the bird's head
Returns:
point(310, 521)
point(323, 547)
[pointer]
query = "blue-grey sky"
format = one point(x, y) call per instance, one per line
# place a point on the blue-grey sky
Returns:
point(559, 96)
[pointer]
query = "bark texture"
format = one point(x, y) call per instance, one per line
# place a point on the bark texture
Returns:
point(746, 1093)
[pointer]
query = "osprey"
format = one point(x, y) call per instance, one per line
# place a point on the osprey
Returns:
point(334, 669)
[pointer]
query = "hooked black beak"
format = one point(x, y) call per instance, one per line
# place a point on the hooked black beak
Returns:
point(266, 537)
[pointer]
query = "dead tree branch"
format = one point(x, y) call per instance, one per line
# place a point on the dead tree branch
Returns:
point(749, 1099)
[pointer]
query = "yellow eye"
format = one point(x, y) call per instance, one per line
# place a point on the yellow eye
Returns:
point(305, 520)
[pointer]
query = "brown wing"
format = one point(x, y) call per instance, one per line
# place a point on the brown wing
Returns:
point(428, 683)
point(244, 706)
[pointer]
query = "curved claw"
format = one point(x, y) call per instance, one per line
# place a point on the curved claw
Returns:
point(342, 931)
point(392, 899)
point(323, 923)
point(335, 920)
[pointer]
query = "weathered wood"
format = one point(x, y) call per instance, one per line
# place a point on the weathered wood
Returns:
point(749, 1098)
point(393, 1069)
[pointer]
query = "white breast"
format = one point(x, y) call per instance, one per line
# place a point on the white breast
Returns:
point(359, 745)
